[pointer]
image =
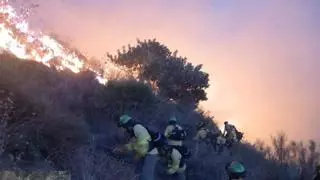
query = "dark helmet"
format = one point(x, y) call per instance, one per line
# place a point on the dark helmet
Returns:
point(226, 122)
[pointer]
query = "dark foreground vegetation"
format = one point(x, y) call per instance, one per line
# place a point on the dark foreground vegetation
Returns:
point(58, 120)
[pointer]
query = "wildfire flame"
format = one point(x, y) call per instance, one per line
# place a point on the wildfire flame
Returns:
point(18, 39)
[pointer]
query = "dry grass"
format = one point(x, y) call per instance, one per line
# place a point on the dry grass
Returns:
point(12, 175)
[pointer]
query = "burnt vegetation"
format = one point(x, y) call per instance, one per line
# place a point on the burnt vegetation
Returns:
point(58, 120)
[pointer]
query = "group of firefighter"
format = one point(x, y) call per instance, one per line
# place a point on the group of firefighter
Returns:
point(169, 147)
point(216, 138)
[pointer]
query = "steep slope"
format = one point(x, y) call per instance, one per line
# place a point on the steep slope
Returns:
point(58, 132)
point(76, 119)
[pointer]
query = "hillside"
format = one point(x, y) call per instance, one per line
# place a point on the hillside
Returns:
point(72, 108)
point(66, 121)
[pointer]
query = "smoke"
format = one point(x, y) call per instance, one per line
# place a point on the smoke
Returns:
point(262, 56)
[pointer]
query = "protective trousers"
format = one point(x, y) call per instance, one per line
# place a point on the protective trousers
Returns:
point(148, 168)
point(181, 176)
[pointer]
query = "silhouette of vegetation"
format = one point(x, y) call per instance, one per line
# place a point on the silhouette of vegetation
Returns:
point(295, 159)
point(174, 77)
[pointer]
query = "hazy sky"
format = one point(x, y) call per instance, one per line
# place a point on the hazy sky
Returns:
point(262, 56)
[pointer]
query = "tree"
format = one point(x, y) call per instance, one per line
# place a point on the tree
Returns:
point(156, 65)
point(263, 148)
point(293, 148)
point(280, 148)
point(313, 154)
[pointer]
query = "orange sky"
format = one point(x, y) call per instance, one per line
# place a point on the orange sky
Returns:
point(263, 57)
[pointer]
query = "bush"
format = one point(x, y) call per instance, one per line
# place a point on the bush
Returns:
point(39, 126)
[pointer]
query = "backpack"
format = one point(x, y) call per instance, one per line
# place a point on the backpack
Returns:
point(239, 135)
point(157, 139)
point(184, 151)
point(233, 127)
point(177, 134)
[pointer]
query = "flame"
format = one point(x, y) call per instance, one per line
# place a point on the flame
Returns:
point(17, 38)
